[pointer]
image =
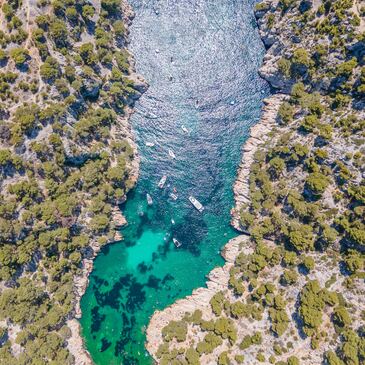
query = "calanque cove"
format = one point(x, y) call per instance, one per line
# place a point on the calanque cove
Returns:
point(80, 148)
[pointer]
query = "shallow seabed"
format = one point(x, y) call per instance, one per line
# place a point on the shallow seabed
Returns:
point(201, 60)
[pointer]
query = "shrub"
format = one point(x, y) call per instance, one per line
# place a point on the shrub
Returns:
point(317, 183)
point(88, 11)
point(216, 303)
point(43, 21)
point(175, 329)
point(301, 57)
point(50, 69)
point(341, 317)
point(59, 33)
point(192, 356)
point(298, 91)
point(223, 358)
point(111, 6)
point(270, 20)
point(311, 307)
point(293, 360)
point(286, 112)
point(277, 164)
point(71, 13)
point(19, 55)
point(301, 236)
point(87, 53)
point(3, 55)
point(284, 66)
point(308, 263)
point(289, 277)
point(119, 28)
point(345, 69)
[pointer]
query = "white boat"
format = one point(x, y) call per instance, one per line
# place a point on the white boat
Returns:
point(151, 116)
point(176, 242)
point(173, 196)
point(149, 199)
point(162, 181)
point(150, 144)
point(172, 221)
point(184, 129)
point(196, 204)
point(171, 153)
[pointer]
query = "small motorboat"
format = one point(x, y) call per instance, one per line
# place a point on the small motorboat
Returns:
point(173, 196)
point(184, 129)
point(172, 221)
point(162, 181)
point(174, 190)
point(149, 199)
point(150, 144)
point(151, 116)
point(232, 102)
point(196, 204)
point(176, 242)
point(172, 154)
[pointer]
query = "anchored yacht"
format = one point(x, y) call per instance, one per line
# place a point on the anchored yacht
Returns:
point(149, 199)
point(173, 196)
point(176, 242)
point(184, 129)
point(196, 204)
point(162, 181)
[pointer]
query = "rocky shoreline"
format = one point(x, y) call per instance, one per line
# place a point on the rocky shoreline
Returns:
point(199, 299)
point(123, 129)
point(76, 342)
point(259, 134)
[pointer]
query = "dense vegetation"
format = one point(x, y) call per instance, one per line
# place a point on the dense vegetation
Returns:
point(296, 290)
point(65, 162)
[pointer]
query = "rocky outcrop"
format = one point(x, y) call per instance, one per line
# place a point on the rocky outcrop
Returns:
point(259, 134)
point(199, 299)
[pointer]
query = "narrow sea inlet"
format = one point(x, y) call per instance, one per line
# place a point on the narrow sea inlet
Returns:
point(200, 59)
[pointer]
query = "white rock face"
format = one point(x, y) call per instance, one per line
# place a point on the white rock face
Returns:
point(259, 134)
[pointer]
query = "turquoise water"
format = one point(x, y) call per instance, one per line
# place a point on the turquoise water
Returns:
point(201, 60)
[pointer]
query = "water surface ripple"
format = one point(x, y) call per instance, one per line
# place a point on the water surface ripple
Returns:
point(200, 59)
